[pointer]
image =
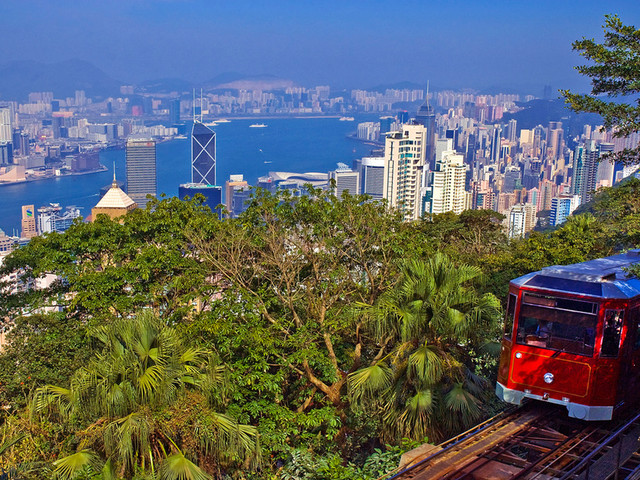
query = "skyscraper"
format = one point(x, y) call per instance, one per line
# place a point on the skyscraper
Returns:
point(404, 162)
point(446, 192)
point(496, 142)
point(6, 132)
point(605, 166)
point(28, 222)
point(561, 207)
point(6, 153)
point(174, 111)
point(203, 154)
point(521, 219)
point(589, 172)
point(371, 170)
point(212, 194)
point(141, 170)
point(427, 117)
point(238, 187)
point(578, 170)
point(513, 130)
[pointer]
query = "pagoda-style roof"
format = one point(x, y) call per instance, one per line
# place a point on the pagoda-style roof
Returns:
point(115, 198)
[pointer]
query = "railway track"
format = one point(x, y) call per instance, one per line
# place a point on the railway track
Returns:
point(535, 442)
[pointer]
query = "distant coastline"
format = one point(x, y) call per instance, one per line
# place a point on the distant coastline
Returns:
point(49, 177)
point(366, 142)
point(262, 116)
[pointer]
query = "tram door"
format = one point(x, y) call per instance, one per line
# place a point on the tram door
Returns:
point(632, 385)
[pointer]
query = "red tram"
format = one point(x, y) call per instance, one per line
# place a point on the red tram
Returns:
point(573, 338)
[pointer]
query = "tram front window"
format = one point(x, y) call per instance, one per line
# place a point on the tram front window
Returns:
point(543, 322)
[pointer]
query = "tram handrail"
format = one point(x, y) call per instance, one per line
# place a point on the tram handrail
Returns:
point(585, 463)
point(453, 441)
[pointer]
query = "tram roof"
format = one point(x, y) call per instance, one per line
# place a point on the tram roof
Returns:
point(603, 277)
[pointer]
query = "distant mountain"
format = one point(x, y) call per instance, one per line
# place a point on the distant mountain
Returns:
point(166, 85)
point(400, 86)
point(541, 112)
point(18, 79)
point(225, 77)
point(508, 90)
point(248, 82)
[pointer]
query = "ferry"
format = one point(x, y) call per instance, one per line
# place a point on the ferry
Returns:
point(222, 120)
point(257, 125)
point(346, 119)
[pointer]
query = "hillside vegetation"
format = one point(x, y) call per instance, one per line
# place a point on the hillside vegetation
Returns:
point(314, 337)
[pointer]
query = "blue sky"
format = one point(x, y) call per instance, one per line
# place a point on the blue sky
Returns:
point(478, 44)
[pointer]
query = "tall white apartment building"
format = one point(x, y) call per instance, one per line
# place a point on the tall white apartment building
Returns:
point(5, 125)
point(521, 219)
point(404, 157)
point(445, 191)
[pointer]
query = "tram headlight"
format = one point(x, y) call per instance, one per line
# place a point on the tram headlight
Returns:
point(518, 355)
point(548, 377)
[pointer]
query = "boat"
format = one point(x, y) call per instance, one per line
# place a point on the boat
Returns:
point(180, 137)
point(346, 119)
point(257, 125)
point(268, 161)
point(222, 120)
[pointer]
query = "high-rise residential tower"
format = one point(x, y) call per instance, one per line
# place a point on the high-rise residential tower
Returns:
point(141, 170)
point(585, 173)
point(404, 162)
point(203, 154)
point(604, 176)
point(6, 132)
point(446, 192)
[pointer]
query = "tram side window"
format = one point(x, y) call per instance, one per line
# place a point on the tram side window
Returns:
point(611, 333)
point(635, 321)
point(509, 319)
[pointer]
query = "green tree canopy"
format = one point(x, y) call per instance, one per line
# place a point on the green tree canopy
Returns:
point(146, 393)
point(422, 383)
point(108, 268)
point(614, 72)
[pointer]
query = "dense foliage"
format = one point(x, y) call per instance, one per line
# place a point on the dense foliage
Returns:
point(614, 72)
point(325, 329)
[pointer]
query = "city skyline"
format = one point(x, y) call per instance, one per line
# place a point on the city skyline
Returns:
point(455, 44)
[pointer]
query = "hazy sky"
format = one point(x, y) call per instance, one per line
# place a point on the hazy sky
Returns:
point(475, 43)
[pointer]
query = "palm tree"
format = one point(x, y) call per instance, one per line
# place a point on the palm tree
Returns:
point(144, 394)
point(423, 385)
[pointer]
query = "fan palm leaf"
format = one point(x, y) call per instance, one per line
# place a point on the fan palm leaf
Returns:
point(127, 437)
point(415, 419)
point(179, 467)
point(7, 444)
point(131, 386)
point(427, 365)
point(369, 382)
point(460, 409)
point(433, 313)
point(69, 467)
point(51, 395)
point(229, 437)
